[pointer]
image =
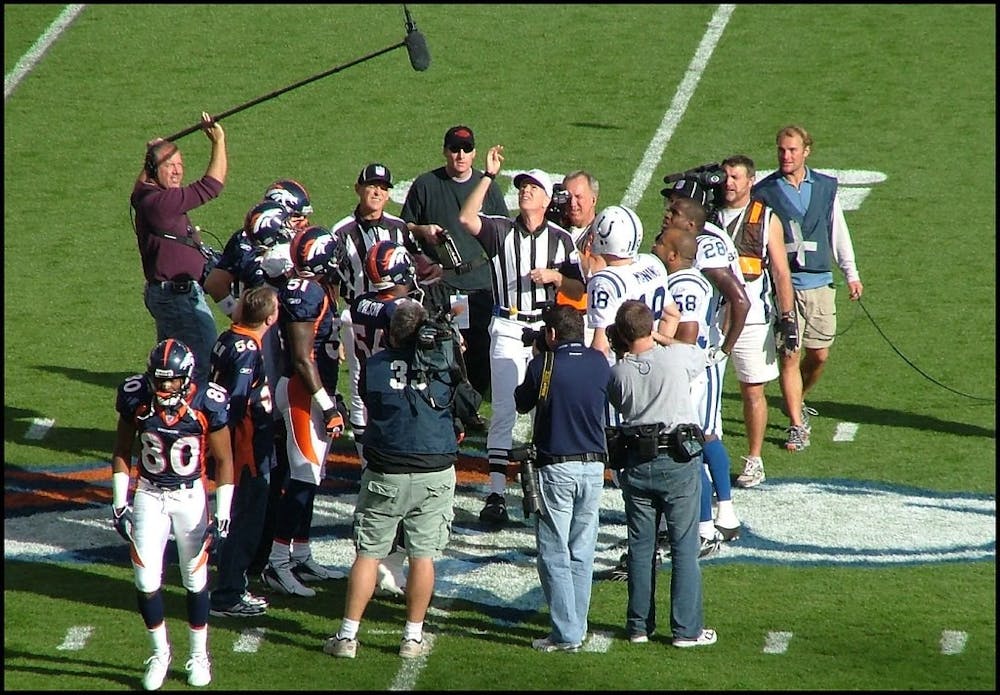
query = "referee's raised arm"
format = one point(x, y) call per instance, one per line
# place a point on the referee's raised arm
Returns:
point(469, 215)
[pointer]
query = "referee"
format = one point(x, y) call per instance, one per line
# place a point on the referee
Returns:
point(531, 258)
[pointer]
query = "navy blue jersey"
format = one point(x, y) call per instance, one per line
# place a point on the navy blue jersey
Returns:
point(241, 260)
point(370, 316)
point(405, 433)
point(238, 365)
point(172, 448)
point(306, 300)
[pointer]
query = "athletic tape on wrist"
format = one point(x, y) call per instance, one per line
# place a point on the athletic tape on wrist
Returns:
point(323, 399)
point(227, 304)
point(119, 489)
point(223, 500)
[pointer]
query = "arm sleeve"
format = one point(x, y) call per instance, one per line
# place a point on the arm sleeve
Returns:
point(840, 241)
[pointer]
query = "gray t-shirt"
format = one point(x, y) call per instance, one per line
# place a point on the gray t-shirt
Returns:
point(655, 385)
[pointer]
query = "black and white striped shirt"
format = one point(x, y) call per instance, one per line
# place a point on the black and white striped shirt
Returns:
point(358, 236)
point(514, 251)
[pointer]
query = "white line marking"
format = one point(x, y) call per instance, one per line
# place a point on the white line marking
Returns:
point(249, 640)
point(777, 642)
point(597, 642)
point(34, 55)
point(953, 642)
point(40, 427)
point(409, 670)
point(845, 432)
point(76, 638)
point(651, 159)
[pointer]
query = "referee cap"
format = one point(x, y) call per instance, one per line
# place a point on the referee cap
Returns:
point(536, 176)
point(376, 173)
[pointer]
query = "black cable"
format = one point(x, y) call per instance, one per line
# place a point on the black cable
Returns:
point(915, 367)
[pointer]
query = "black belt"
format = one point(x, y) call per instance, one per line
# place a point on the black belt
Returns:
point(467, 266)
point(545, 459)
point(526, 316)
point(174, 487)
point(176, 286)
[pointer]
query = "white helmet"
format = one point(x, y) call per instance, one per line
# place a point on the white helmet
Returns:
point(617, 232)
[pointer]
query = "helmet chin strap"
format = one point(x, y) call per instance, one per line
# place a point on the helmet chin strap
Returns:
point(416, 293)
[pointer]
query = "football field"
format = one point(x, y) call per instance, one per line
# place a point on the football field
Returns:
point(868, 561)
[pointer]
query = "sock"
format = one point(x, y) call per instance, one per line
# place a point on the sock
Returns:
point(197, 608)
point(348, 629)
point(706, 497)
point(199, 640)
point(706, 529)
point(717, 459)
point(158, 638)
point(414, 631)
point(498, 482)
point(280, 553)
point(300, 551)
point(726, 515)
point(151, 608)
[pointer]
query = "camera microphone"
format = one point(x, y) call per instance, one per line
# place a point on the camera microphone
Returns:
point(416, 44)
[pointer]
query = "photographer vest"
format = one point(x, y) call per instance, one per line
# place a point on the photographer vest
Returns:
point(807, 237)
point(749, 229)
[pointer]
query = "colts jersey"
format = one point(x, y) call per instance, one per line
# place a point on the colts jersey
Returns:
point(716, 250)
point(305, 300)
point(238, 365)
point(645, 279)
point(370, 317)
point(172, 447)
point(693, 295)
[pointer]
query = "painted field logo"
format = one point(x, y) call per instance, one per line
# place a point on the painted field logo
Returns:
point(808, 522)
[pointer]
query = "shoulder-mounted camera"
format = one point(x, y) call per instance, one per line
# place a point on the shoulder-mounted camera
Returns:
point(709, 178)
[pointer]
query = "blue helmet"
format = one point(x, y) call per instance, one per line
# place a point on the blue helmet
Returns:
point(268, 224)
point(170, 359)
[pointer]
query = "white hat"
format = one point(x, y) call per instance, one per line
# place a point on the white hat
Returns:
point(535, 176)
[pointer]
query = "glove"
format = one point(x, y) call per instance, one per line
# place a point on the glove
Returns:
point(716, 355)
point(217, 531)
point(121, 519)
point(788, 333)
point(334, 422)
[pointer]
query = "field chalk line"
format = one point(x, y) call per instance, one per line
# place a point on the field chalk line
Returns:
point(34, 55)
point(651, 159)
point(76, 638)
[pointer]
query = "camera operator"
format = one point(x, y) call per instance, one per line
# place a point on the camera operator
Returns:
point(566, 384)
point(173, 255)
point(660, 474)
point(410, 479)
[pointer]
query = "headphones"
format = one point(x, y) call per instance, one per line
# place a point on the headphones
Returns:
point(151, 164)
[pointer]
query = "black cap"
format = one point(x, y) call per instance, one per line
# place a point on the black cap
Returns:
point(686, 188)
point(376, 172)
point(460, 135)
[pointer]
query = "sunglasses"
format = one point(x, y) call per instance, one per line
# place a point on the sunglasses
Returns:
point(455, 149)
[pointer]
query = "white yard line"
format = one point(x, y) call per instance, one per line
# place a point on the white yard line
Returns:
point(409, 670)
point(249, 640)
point(953, 642)
point(76, 638)
point(30, 59)
point(846, 432)
point(651, 160)
point(40, 427)
point(777, 642)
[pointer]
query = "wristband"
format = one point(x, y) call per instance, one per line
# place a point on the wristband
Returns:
point(119, 489)
point(227, 305)
point(488, 175)
point(323, 400)
point(223, 501)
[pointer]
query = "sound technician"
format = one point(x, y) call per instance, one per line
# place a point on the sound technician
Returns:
point(173, 255)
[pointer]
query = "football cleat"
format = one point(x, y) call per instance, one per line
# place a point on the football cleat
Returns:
point(156, 671)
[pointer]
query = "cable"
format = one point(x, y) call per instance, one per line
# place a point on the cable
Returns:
point(915, 367)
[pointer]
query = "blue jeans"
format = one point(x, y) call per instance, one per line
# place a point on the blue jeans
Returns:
point(237, 551)
point(663, 486)
point(565, 538)
point(186, 317)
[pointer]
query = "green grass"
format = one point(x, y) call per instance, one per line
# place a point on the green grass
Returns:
point(906, 90)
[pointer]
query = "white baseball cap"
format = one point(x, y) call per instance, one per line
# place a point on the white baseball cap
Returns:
point(536, 176)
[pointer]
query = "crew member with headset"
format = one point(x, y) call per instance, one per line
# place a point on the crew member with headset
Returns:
point(566, 384)
point(660, 472)
point(173, 256)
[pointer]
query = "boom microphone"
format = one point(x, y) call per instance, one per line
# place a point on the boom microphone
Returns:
point(416, 44)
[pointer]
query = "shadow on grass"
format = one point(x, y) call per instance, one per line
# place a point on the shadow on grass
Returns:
point(79, 441)
point(866, 414)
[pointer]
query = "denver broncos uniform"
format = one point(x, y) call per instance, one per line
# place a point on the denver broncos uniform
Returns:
point(370, 317)
point(170, 495)
point(305, 300)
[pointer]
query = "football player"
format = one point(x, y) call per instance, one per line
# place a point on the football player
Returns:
point(172, 420)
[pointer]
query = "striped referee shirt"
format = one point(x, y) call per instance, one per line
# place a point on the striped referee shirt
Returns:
point(514, 251)
point(358, 236)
